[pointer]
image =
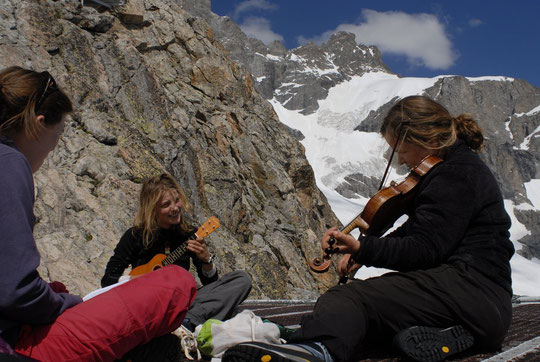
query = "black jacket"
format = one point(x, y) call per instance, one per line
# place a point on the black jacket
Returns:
point(457, 215)
point(131, 251)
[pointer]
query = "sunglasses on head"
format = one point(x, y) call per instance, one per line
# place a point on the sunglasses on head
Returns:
point(49, 86)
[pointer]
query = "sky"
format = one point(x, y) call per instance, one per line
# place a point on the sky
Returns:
point(417, 38)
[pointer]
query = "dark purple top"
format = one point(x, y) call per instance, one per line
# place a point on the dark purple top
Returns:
point(25, 298)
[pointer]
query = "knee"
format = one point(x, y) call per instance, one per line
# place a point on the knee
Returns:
point(242, 278)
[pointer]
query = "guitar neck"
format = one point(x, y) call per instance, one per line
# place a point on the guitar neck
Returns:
point(177, 253)
point(206, 229)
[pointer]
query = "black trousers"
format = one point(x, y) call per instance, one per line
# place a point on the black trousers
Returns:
point(375, 309)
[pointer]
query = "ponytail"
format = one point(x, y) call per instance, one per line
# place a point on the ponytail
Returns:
point(430, 125)
point(470, 132)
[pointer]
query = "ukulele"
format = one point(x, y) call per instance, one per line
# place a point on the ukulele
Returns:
point(161, 260)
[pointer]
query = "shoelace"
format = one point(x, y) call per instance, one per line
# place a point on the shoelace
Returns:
point(188, 343)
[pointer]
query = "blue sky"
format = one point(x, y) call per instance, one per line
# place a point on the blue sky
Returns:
point(416, 37)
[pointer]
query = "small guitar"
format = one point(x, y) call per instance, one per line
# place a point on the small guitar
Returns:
point(161, 260)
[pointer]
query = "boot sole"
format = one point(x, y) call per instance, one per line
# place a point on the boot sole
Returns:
point(254, 352)
point(428, 344)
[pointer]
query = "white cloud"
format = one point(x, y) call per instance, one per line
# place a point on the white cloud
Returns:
point(249, 5)
point(475, 22)
point(259, 28)
point(419, 37)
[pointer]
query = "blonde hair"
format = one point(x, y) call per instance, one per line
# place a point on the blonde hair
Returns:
point(25, 94)
point(430, 125)
point(151, 192)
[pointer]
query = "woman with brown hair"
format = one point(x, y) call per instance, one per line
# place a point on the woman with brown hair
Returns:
point(43, 320)
point(452, 285)
point(160, 227)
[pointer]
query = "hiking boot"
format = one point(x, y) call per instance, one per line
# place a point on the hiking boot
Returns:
point(427, 344)
point(264, 352)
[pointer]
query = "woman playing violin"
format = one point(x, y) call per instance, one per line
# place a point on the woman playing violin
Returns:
point(451, 289)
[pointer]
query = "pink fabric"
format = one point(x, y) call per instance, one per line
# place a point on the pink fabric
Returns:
point(107, 326)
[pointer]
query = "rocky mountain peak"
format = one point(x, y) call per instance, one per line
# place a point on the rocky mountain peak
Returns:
point(303, 76)
point(277, 48)
point(300, 77)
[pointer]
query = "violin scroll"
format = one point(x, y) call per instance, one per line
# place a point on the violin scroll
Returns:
point(320, 264)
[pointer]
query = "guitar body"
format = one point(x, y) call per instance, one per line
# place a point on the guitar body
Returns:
point(159, 260)
point(153, 264)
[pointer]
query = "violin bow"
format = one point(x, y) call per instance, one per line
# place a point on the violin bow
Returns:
point(405, 122)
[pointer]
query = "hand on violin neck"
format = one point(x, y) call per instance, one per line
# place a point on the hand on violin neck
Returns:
point(343, 243)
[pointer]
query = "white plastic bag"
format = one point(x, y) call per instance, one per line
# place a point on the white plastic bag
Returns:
point(216, 338)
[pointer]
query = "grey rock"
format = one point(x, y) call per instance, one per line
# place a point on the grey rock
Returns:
point(164, 96)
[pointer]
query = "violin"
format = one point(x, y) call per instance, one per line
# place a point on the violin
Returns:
point(381, 211)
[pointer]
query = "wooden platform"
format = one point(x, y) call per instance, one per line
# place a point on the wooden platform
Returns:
point(521, 344)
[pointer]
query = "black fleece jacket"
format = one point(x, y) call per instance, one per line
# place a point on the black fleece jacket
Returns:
point(457, 215)
point(131, 251)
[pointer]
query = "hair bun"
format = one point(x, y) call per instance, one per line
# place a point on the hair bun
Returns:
point(469, 131)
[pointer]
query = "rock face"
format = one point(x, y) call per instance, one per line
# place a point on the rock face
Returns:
point(155, 92)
